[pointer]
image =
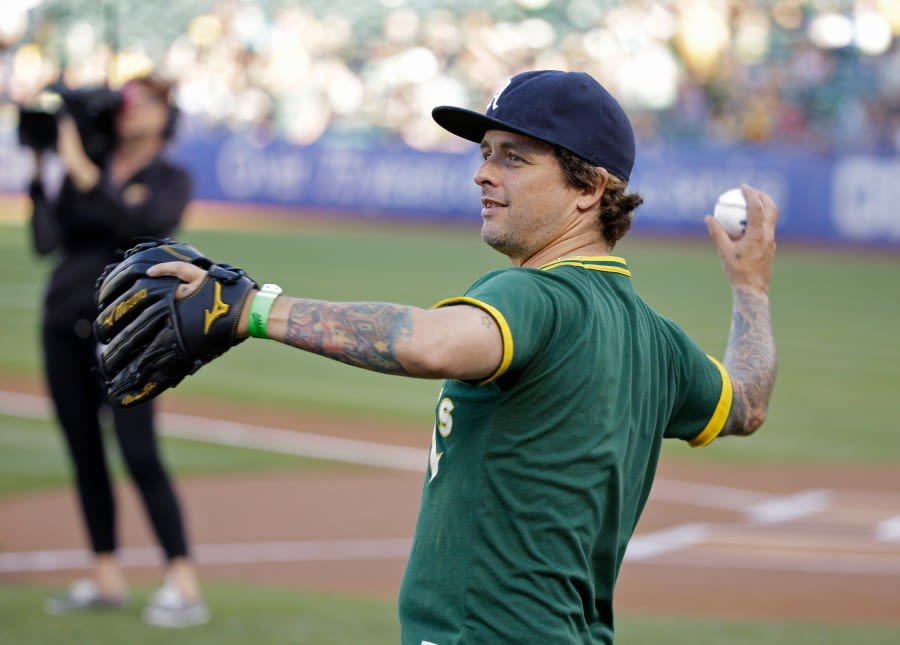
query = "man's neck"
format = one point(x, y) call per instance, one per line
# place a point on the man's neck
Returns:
point(568, 249)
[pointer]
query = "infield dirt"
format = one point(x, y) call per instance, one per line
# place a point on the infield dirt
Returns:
point(746, 541)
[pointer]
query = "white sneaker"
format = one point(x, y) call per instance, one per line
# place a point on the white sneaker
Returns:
point(83, 595)
point(168, 608)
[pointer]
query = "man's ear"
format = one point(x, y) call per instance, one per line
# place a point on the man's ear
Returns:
point(590, 196)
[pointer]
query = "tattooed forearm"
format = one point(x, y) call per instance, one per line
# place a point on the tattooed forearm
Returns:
point(360, 334)
point(751, 361)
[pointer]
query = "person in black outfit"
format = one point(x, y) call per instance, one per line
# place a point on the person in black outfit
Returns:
point(100, 209)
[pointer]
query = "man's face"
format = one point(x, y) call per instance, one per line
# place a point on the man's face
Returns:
point(526, 201)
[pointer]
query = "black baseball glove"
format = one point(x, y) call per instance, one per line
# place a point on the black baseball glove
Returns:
point(149, 340)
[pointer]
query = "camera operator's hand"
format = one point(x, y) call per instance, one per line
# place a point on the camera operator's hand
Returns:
point(80, 168)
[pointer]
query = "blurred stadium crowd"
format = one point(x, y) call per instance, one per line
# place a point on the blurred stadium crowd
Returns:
point(821, 74)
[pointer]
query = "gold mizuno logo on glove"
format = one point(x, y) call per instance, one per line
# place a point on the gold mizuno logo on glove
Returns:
point(218, 310)
point(124, 307)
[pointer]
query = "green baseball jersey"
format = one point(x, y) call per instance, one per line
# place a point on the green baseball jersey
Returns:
point(538, 475)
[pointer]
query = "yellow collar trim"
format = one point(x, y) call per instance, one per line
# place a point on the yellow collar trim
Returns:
point(587, 262)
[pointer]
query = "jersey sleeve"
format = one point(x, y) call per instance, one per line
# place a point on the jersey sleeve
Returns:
point(704, 394)
point(522, 309)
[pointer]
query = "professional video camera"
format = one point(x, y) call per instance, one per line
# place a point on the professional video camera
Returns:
point(92, 109)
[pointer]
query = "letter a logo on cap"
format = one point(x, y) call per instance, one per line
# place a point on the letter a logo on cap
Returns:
point(495, 100)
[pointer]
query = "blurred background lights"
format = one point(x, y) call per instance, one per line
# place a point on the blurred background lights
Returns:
point(751, 40)
point(13, 21)
point(702, 36)
point(872, 33)
point(802, 71)
point(205, 30)
point(30, 72)
point(788, 14)
point(537, 33)
point(658, 20)
point(533, 5)
point(584, 14)
point(250, 27)
point(345, 92)
point(831, 31)
point(601, 45)
point(890, 9)
point(127, 65)
point(253, 107)
point(401, 25)
point(649, 79)
point(305, 116)
point(417, 65)
point(392, 4)
point(80, 40)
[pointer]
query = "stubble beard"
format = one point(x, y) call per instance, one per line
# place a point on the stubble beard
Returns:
point(503, 242)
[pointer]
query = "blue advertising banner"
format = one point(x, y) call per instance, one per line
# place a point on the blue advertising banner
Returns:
point(821, 197)
point(395, 182)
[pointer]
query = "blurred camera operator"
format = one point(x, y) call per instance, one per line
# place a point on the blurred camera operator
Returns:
point(99, 209)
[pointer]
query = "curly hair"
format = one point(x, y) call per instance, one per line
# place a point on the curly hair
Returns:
point(617, 206)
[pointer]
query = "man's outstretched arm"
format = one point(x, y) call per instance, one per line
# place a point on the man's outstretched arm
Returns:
point(461, 341)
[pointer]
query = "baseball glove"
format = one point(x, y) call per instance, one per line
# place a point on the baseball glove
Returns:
point(149, 340)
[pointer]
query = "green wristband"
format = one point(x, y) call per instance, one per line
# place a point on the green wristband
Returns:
point(260, 309)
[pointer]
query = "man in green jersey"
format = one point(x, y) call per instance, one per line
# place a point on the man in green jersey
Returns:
point(561, 383)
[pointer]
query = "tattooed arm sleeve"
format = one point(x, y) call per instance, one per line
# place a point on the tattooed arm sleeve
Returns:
point(450, 342)
point(360, 334)
point(751, 361)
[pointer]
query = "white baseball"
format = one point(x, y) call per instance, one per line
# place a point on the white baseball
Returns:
point(731, 212)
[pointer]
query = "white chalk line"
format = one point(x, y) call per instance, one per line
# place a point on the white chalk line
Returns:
point(705, 495)
point(217, 554)
point(757, 507)
point(656, 548)
point(789, 507)
point(888, 530)
point(651, 545)
point(797, 563)
point(245, 435)
point(370, 453)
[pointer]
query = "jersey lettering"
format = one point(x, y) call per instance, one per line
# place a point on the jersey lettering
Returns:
point(443, 426)
point(445, 417)
point(434, 457)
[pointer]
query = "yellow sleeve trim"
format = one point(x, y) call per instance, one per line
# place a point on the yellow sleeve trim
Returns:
point(505, 332)
point(720, 415)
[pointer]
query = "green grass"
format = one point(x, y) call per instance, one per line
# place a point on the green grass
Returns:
point(835, 314)
point(663, 630)
point(244, 613)
point(836, 317)
point(32, 456)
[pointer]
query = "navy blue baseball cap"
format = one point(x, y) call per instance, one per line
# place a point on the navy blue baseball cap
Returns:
point(568, 109)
